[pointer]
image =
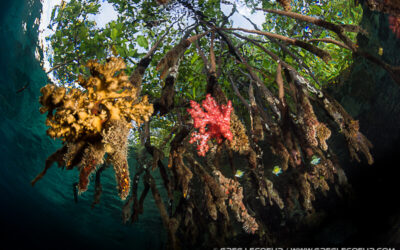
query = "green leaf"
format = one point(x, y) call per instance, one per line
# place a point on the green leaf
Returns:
point(194, 58)
point(142, 41)
point(114, 34)
point(119, 26)
point(132, 53)
point(121, 51)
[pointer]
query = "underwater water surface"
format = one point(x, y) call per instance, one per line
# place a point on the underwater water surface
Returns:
point(45, 216)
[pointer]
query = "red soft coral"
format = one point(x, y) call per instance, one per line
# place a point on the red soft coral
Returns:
point(217, 120)
point(394, 25)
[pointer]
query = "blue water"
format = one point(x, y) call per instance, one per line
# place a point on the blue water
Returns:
point(45, 216)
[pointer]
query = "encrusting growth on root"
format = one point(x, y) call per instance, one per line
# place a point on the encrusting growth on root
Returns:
point(323, 134)
point(92, 157)
point(234, 194)
point(115, 140)
point(316, 132)
point(173, 56)
point(240, 140)
point(350, 128)
point(95, 121)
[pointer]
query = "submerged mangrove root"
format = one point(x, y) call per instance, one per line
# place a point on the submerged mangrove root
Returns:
point(98, 189)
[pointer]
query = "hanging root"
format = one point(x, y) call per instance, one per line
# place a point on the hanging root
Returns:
point(92, 157)
point(306, 192)
point(240, 140)
point(358, 142)
point(98, 187)
point(350, 128)
point(234, 193)
point(323, 134)
point(115, 137)
point(58, 157)
point(74, 153)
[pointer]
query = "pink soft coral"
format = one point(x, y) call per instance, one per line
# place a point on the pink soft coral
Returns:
point(217, 120)
point(394, 25)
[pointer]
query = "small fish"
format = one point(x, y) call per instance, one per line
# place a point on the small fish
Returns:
point(23, 88)
point(277, 170)
point(315, 160)
point(239, 173)
point(380, 51)
point(186, 195)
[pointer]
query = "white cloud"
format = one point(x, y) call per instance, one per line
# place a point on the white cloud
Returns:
point(106, 15)
point(257, 17)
